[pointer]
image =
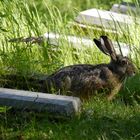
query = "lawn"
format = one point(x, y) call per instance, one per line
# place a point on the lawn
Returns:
point(99, 119)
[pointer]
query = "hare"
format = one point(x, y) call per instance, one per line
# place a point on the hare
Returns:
point(84, 80)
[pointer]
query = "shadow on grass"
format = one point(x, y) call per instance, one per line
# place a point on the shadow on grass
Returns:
point(99, 120)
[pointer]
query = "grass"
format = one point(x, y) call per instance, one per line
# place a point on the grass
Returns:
point(100, 120)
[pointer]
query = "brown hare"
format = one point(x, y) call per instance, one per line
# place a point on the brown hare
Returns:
point(84, 80)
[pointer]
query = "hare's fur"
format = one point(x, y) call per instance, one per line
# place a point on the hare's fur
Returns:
point(84, 80)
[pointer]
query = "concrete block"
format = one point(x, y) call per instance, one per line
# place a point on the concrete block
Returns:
point(79, 42)
point(105, 19)
point(53, 104)
point(125, 8)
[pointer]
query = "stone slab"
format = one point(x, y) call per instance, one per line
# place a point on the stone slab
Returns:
point(105, 19)
point(53, 39)
point(54, 104)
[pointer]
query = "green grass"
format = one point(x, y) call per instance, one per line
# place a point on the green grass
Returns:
point(100, 120)
point(24, 20)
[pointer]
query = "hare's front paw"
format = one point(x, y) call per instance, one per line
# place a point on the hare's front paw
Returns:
point(113, 93)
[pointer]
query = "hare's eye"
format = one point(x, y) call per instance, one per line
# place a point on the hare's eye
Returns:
point(124, 62)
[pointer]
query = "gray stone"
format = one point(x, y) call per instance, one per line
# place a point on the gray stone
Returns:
point(53, 104)
point(125, 8)
point(105, 19)
point(53, 38)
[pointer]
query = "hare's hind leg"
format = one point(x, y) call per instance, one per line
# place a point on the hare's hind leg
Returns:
point(114, 91)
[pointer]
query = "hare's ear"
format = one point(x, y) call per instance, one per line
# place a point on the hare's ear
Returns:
point(109, 46)
point(101, 46)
